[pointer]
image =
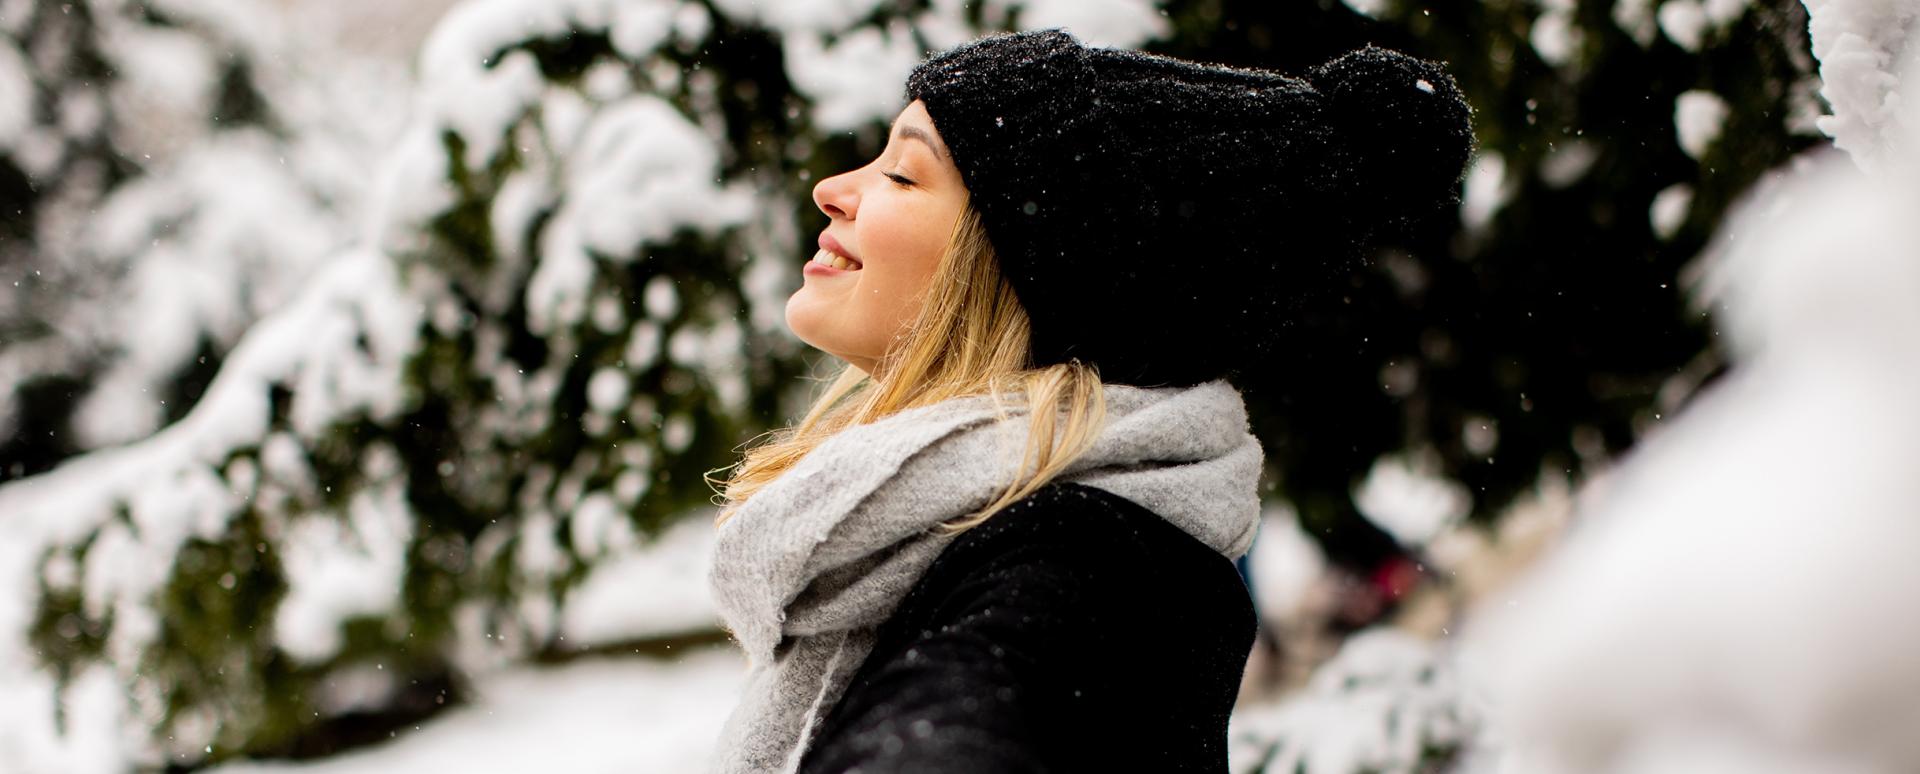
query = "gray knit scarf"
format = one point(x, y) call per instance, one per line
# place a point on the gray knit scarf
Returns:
point(806, 570)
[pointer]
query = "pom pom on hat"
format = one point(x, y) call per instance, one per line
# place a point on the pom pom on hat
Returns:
point(1403, 128)
point(1172, 222)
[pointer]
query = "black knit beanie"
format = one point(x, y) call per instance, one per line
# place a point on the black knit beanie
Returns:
point(1171, 222)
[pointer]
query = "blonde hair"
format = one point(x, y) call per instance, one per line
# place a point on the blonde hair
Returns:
point(969, 338)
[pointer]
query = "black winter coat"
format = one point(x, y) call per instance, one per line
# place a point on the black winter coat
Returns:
point(1073, 631)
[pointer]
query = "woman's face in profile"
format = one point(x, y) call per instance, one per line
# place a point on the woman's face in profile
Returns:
point(889, 223)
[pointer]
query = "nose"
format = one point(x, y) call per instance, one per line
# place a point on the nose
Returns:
point(837, 196)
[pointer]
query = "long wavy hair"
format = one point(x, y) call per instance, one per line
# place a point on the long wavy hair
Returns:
point(969, 338)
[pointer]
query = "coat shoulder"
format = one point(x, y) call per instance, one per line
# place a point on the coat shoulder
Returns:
point(1074, 630)
point(1088, 529)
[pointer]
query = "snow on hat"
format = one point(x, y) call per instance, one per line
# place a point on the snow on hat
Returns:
point(1173, 222)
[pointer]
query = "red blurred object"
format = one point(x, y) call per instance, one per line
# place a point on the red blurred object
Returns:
point(1395, 577)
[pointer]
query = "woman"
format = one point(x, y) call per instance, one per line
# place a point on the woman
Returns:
point(1002, 539)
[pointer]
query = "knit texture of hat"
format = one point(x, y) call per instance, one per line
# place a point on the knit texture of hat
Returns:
point(1172, 222)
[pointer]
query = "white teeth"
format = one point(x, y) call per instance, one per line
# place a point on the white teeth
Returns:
point(826, 258)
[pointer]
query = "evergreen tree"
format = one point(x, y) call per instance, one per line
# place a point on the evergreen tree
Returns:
point(165, 181)
point(567, 311)
point(1541, 327)
point(462, 430)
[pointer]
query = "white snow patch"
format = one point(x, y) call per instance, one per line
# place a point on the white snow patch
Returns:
point(412, 187)
point(1410, 502)
point(677, 433)
point(1486, 190)
point(1635, 17)
point(39, 151)
point(607, 390)
point(1864, 49)
point(167, 484)
point(1286, 566)
point(460, 91)
point(643, 346)
point(1822, 256)
point(16, 96)
point(597, 716)
point(799, 16)
point(536, 551)
point(660, 298)
point(164, 76)
point(523, 195)
point(1113, 23)
point(1669, 209)
point(691, 23)
point(1368, 8)
point(630, 486)
point(239, 237)
point(655, 589)
point(96, 711)
point(1570, 160)
point(1376, 706)
point(14, 15)
point(598, 526)
point(1723, 13)
point(557, 292)
point(640, 172)
point(768, 282)
point(564, 116)
point(609, 313)
point(81, 112)
point(1726, 600)
point(640, 27)
point(944, 24)
point(857, 78)
point(338, 569)
point(1684, 22)
point(1554, 36)
point(687, 346)
point(1697, 119)
point(725, 363)
point(357, 687)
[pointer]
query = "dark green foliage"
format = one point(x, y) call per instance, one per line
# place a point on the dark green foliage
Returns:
point(1559, 324)
point(40, 439)
point(563, 59)
point(217, 631)
point(41, 261)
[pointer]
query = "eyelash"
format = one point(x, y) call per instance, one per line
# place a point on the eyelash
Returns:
point(898, 180)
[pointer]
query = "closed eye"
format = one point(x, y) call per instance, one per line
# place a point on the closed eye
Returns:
point(901, 181)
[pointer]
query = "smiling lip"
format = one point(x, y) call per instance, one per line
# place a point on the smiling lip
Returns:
point(831, 245)
point(816, 268)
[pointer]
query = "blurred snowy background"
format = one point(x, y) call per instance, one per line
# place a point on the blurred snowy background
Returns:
point(360, 363)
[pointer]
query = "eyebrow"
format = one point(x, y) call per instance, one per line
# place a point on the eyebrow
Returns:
point(916, 133)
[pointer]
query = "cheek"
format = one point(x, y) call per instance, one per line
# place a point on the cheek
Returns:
point(872, 305)
point(904, 248)
point(890, 291)
point(858, 315)
point(908, 238)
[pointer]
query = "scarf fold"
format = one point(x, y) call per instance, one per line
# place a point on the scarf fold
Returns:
point(804, 572)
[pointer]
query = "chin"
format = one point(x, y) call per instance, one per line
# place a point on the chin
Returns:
point(808, 330)
point(808, 322)
point(801, 319)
